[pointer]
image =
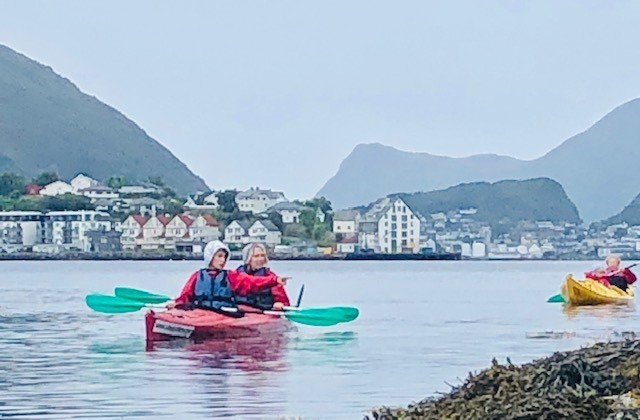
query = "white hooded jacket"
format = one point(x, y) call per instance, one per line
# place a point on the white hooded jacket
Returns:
point(210, 250)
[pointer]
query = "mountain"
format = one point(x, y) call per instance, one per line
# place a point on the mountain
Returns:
point(630, 214)
point(47, 123)
point(598, 162)
point(500, 203)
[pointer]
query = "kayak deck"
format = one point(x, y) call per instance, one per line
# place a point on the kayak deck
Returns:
point(203, 324)
point(591, 292)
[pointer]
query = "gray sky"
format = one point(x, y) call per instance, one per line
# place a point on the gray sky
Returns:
point(277, 93)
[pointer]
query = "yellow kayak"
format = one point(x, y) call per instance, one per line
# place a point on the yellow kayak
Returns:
point(591, 292)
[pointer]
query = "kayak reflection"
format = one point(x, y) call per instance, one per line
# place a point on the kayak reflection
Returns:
point(261, 352)
point(613, 312)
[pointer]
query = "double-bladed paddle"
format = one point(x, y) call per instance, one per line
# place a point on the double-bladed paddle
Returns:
point(132, 300)
point(148, 297)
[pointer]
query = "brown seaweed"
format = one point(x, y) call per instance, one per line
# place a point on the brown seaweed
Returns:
point(601, 381)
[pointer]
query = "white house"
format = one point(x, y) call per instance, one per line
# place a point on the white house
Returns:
point(57, 188)
point(428, 244)
point(202, 201)
point(257, 201)
point(348, 244)
point(237, 232)
point(138, 189)
point(154, 234)
point(535, 251)
point(368, 234)
point(82, 182)
point(205, 228)
point(144, 205)
point(132, 230)
point(28, 222)
point(468, 212)
point(97, 192)
point(155, 227)
point(178, 227)
point(391, 227)
point(107, 205)
point(346, 221)
point(290, 212)
point(478, 250)
point(68, 229)
point(266, 232)
point(465, 250)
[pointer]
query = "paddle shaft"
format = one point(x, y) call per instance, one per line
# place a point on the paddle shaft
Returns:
point(287, 311)
point(300, 296)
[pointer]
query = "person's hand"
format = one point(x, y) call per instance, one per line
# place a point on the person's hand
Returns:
point(282, 281)
point(278, 306)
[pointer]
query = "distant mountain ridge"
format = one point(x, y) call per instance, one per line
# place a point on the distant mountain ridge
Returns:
point(630, 214)
point(598, 162)
point(47, 123)
point(501, 203)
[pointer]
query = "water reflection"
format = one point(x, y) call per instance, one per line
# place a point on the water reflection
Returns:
point(573, 312)
point(134, 345)
point(229, 377)
point(321, 340)
point(250, 354)
point(593, 323)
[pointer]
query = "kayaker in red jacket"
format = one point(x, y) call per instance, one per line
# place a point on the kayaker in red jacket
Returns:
point(613, 274)
point(256, 263)
point(216, 254)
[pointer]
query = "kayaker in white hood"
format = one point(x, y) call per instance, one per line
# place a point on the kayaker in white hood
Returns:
point(214, 286)
point(210, 250)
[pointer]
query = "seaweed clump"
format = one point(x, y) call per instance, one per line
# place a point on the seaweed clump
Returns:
point(601, 381)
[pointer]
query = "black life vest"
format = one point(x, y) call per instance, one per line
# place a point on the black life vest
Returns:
point(263, 299)
point(214, 293)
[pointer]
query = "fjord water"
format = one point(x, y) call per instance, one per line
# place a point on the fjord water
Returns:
point(422, 324)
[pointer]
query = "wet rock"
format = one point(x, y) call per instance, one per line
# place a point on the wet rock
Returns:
point(602, 381)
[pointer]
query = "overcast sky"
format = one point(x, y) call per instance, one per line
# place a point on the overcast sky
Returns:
point(277, 93)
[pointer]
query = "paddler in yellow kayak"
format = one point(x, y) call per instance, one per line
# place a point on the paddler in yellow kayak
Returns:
point(613, 274)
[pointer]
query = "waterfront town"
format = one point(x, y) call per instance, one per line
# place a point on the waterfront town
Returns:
point(140, 220)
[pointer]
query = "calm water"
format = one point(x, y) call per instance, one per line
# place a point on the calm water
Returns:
point(421, 324)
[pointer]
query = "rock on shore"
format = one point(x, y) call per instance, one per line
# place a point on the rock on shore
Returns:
point(602, 381)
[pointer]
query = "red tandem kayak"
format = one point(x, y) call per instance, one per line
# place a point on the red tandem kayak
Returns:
point(202, 324)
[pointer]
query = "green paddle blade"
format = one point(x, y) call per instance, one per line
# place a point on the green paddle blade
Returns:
point(311, 319)
point(347, 312)
point(140, 295)
point(112, 304)
point(322, 317)
point(344, 312)
point(556, 299)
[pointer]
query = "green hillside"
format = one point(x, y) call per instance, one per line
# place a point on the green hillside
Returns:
point(48, 124)
point(500, 203)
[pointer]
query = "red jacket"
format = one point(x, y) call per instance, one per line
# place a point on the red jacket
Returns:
point(603, 277)
point(241, 284)
point(279, 293)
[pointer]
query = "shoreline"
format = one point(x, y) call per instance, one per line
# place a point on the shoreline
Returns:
point(599, 381)
point(80, 256)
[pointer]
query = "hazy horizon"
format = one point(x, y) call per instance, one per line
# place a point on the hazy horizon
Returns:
point(277, 94)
